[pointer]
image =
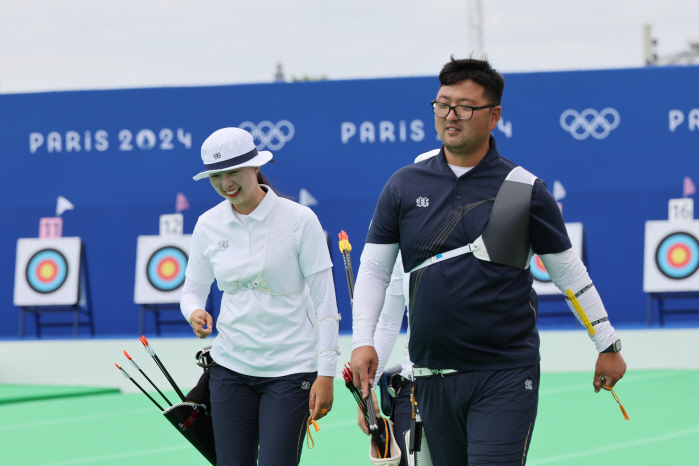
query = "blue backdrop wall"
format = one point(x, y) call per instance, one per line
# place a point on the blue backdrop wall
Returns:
point(121, 157)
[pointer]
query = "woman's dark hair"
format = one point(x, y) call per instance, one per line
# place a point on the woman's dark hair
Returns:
point(262, 179)
point(478, 71)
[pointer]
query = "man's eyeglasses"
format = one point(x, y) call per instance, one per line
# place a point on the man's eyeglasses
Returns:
point(462, 112)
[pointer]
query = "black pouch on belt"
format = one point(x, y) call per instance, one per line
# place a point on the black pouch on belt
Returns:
point(415, 435)
point(200, 393)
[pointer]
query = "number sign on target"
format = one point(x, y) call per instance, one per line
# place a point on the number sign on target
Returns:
point(161, 262)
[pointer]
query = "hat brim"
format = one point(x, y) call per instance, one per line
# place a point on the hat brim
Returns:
point(260, 159)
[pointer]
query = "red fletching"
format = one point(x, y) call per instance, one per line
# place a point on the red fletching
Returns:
point(127, 355)
point(117, 366)
point(347, 374)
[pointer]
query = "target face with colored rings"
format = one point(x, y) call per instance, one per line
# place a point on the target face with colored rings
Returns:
point(677, 256)
point(166, 267)
point(538, 270)
point(47, 271)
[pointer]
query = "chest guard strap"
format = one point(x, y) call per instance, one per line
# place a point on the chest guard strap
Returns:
point(506, 238)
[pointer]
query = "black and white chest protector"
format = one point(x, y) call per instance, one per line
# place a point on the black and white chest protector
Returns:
point(506, 238)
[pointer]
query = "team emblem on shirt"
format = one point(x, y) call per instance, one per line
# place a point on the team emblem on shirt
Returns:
point(223, 244)
point(306, 385)
point(422, 202)
point(528, 384)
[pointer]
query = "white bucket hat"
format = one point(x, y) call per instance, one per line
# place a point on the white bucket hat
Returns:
point(230, 148)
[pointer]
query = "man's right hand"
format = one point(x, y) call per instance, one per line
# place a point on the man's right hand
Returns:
point(201, 323)
point(363, 363)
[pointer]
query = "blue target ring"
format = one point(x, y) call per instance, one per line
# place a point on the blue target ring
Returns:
point(538, 270)
point(166, 267)
point(677, 255)
point(46, 271)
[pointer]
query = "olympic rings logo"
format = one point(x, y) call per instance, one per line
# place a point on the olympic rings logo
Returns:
point(266, 134)
point(590, 123)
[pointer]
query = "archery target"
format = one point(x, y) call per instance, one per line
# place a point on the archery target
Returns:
point(161, 262)
point(47, 272)
point(538, 270)
point(677, 256)
point(165, 269)
point(542, 280)
point(671, 256)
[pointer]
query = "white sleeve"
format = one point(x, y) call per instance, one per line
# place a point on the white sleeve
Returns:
point(310, 242)
point(387, 330)
point(322, 290)
point(569, 273)
point(391, 317)
point(199, 266)
point(194, 297)
point(374, 274)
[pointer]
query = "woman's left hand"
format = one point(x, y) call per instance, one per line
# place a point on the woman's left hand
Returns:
point(320, 401)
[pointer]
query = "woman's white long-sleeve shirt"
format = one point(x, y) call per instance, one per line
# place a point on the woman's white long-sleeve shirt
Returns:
point(279, 296)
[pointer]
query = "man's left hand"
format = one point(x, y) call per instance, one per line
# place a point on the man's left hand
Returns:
point(320, 400)
point(610, 368)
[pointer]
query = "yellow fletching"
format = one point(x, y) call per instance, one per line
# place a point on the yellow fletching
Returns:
point(345, 246)
point(580, 312)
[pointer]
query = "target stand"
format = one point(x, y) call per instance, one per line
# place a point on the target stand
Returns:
point(546, 290)
point(161, 261)
point(671, 268)
point(51, 277)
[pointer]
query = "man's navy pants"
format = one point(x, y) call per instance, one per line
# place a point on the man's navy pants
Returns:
point(479, 418)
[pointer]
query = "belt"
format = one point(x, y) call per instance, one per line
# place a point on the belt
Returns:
point(424, 372)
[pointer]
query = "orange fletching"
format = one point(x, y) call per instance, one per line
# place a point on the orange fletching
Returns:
point(623, 411)
point(117, 366)
point(127, 355)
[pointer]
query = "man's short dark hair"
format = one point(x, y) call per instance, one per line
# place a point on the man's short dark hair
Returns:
point(478, 71)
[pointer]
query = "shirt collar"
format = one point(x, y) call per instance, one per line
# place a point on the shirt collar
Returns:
point(490, 156)
point(260, 212)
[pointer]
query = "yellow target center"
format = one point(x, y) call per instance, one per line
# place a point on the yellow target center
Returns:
point(678, 256)
point(47, 271)
point(168, 268)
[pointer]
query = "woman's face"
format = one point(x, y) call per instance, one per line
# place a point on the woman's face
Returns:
point(239, 187)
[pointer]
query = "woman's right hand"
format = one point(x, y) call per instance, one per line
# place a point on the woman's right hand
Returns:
point(201, 323)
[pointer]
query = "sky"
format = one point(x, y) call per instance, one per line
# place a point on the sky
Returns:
point(53, 45)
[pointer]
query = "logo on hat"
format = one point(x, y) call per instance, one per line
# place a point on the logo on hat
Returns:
point(217, 155)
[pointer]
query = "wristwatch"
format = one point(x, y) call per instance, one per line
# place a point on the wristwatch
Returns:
point(613, 348)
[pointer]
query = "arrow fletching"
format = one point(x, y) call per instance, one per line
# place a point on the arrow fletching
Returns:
point(126, 374)
point(133, 363)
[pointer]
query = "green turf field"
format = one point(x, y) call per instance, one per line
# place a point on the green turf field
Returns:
point(575, 426)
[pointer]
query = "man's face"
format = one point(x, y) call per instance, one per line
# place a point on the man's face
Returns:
point(465, 136)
